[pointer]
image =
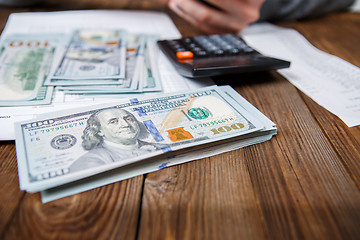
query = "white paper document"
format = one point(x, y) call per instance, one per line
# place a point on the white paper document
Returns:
point(330, 81)
point(66, 22)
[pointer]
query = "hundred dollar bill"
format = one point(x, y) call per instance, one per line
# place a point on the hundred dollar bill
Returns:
point(59, 148)
point(119, 85)
point(69, 84)
point(132, 81)
point(94, 54)
point(25, 62)
point(144, 167)
point(151, 81)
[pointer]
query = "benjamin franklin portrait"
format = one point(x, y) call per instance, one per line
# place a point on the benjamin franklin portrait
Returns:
point(112, 135)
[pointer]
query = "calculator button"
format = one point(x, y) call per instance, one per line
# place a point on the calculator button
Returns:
point(184, 55)
point(181, 49)
point(233, 51)
point(201, 54)
point(218, 52)
point(196, 49)
point(187, 40)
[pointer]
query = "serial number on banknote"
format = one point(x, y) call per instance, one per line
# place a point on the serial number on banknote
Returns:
point(212, 123)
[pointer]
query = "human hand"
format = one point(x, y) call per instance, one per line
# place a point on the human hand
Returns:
point(231, 16)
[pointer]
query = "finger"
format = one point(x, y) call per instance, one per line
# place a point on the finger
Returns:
point(200, 25)
point(236, 6)
point(206, 18)
point(245, 10)
point(237, 14)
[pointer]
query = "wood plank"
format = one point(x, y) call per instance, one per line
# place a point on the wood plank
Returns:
point(4, 14)
point(345, 140)
point(9, 191)
point(109, 212)
point(212, 198)
point(315, 198)
point(328, 34)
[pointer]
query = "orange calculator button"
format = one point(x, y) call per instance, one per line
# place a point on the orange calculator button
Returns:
point(184, 55)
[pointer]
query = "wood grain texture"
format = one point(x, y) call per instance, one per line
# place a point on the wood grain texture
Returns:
point(10, 196)
point(304, 189)
point(4, 13)
point(345, 140)
point(109, 212)
point(302, 184)
point(211, 198)
point(323, 33)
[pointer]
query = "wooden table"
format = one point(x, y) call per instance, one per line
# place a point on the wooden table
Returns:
point(302, 184)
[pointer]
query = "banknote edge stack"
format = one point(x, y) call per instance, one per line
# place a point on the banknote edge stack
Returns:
point(156, 163)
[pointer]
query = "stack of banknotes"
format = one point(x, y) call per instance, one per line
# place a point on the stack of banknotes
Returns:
point(32, 66)
point(80, 149)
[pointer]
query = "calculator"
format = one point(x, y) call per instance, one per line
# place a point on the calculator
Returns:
point(217, 54)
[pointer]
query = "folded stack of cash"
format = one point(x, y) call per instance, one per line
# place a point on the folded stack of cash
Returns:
point(100, 144)
point(85, 61)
